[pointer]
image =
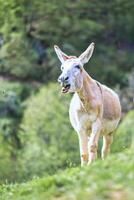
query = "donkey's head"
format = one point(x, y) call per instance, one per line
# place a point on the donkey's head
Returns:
point(71, 78)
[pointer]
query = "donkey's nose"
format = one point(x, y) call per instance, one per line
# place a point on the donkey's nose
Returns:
point(62, 79)
point(66, 78)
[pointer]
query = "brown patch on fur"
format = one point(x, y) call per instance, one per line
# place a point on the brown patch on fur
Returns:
point(84, 157)
point(93, 148)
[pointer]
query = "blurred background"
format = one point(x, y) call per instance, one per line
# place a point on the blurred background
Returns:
point(36, 137)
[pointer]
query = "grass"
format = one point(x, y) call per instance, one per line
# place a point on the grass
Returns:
point(110, 179)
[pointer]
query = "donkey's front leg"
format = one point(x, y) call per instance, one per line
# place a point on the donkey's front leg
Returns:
point(93, 141)
point(83, 143)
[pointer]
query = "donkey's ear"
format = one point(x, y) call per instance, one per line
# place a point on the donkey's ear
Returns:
point(86, 55)
point(62, 56)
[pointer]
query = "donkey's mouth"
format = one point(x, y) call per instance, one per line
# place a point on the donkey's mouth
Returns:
point(65, 88)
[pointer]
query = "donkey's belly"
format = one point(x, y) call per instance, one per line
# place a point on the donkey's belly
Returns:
point(108, 126)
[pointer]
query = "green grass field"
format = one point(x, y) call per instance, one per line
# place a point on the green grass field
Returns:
point(110, 179)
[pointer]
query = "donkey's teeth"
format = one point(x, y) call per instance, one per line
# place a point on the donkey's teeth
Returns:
point(64, 90)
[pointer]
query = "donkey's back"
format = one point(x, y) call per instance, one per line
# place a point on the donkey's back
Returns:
point(111, 109)
point(111, 104)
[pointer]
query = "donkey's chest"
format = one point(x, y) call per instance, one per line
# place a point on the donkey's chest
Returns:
point(79, 117)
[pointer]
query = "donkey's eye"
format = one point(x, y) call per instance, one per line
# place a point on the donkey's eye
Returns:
point(62, 68)
point(77, 66)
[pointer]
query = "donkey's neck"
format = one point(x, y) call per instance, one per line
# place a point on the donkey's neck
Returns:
point(86, 93)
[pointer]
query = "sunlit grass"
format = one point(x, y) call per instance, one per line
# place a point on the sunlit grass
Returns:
point(109, 179)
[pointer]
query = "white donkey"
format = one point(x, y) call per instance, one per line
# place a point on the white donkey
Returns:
point(94, 109)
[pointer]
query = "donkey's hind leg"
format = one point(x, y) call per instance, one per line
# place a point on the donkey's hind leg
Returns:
point(107, 140)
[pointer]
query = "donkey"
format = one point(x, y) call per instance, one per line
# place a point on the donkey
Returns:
point(94, 109)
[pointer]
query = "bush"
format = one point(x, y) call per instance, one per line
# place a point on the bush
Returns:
point(124, 134)
point(48, 138)
point(12, 94)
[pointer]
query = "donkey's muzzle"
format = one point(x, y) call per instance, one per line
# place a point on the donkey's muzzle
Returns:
point(63, 80)
point(66, 88)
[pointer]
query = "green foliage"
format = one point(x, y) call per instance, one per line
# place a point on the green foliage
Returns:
point(12, 94)
point(10, 107)
point(48, 138)
point(124, 134)
point(29, 29)
point(10, 112)
point(111, 179)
